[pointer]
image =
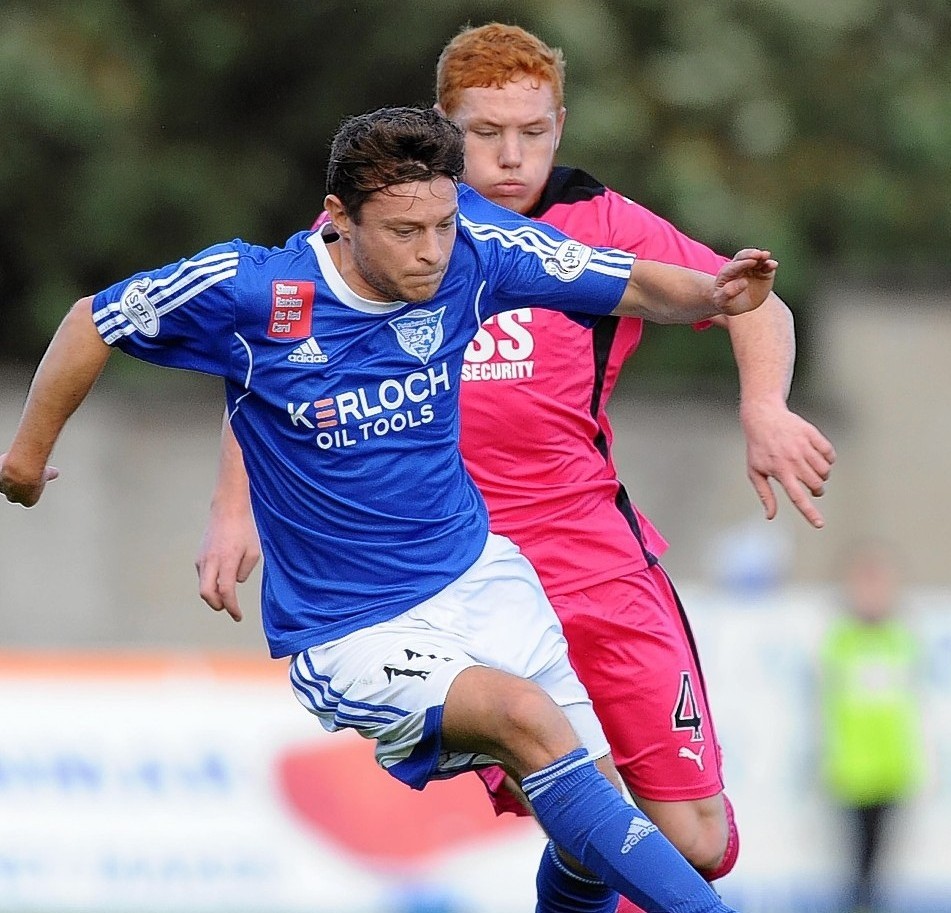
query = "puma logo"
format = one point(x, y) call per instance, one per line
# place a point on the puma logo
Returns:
point(692, 755)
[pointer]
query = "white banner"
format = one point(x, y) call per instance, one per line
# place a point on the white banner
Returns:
point(177, 783)
point(192, 783)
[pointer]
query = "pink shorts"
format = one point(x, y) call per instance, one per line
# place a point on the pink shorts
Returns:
point(631, 645)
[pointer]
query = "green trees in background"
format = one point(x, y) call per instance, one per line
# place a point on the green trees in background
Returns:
point(133, 131)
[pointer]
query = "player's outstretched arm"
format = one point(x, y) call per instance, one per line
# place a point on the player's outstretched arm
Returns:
point(72, 363)
point(229, 548)
point(664, 293)
point(780, 445)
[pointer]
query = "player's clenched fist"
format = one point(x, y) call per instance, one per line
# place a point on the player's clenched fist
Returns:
point(23, 491)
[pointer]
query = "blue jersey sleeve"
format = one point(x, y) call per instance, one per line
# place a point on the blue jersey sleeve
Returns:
point(179, 316)
point(530, 264)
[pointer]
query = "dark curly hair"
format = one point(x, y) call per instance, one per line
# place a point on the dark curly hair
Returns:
point(396, 145)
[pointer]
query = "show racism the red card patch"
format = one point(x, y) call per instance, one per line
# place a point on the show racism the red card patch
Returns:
point(292, 305)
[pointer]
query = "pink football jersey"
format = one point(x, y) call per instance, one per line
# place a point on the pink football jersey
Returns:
point(535, 433)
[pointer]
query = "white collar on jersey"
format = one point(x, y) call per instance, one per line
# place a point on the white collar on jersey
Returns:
point(334, 280)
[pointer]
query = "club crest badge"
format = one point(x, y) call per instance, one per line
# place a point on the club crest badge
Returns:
point(419, 332)
point(137, 309)
point(569, 261)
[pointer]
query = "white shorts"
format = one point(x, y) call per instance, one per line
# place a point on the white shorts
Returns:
point(389, 681)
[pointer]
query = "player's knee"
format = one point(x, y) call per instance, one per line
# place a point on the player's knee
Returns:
point(732, 851)
point(699, 829)
point(700, 842)
point(533, 729)
point(712, 845)
point(705, 849)
point(506, 717)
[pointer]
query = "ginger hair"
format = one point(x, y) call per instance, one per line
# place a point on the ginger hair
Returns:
point(492, 55)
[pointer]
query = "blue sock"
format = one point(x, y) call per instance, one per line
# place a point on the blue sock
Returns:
point(589, 819)
point(560, 890)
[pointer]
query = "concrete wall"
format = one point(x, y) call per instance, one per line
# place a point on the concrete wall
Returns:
point(107, 556)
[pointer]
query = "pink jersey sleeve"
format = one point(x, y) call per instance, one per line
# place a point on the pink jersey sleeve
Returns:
point(635, 228)
point(622, 223)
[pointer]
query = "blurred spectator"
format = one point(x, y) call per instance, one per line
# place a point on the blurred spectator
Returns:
point(751, 559)
point(872, 738)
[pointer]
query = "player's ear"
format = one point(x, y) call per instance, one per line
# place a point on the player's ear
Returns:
point(338, 215)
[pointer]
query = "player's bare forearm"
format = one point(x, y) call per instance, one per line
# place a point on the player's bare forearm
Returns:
point(764, 347)
point(72, 363)
point(231, 486)
point(229, 548)
point(664, 293)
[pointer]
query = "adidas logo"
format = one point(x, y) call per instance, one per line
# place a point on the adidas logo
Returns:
point(308, 353)
point(639, 829)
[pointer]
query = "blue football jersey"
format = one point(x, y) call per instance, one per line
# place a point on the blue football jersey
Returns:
point(347, 410)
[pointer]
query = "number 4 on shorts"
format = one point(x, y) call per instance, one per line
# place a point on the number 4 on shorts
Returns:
point(686, 713)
